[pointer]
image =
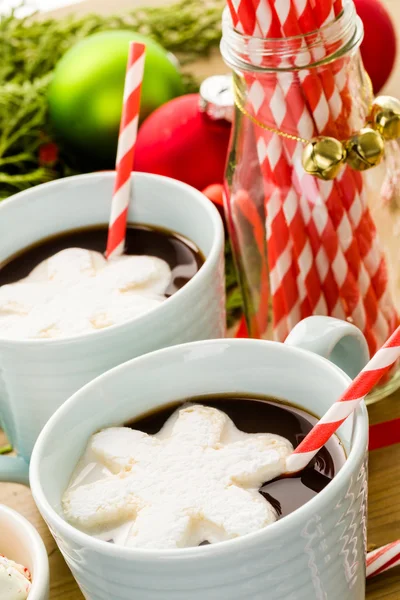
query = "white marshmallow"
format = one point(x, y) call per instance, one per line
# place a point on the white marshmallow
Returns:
point(15, 580)
point(69, 266)
point(195, 480)
point(76, 291)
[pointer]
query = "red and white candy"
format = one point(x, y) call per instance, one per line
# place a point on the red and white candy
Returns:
point(383, 559)
point(15, 580)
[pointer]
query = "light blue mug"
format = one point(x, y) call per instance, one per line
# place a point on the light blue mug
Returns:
point(317, 552)
point(36, 376)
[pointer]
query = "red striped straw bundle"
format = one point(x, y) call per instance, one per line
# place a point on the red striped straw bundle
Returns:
point(126, 150)
point(323, 252)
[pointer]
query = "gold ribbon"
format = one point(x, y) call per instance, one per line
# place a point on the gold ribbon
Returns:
point(240, 104)
point(324, 156)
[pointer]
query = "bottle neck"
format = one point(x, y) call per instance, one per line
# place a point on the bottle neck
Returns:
point(331, 42)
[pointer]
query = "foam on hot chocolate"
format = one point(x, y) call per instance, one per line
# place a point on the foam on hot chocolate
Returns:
point(76, 291)
point(196, 480)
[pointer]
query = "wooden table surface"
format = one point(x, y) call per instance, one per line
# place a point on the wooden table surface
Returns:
point(384, 467)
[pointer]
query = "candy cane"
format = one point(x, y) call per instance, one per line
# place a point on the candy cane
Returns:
point(383, 559)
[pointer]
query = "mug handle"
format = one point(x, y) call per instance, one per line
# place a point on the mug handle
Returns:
point(14, 469)
point(340, 342)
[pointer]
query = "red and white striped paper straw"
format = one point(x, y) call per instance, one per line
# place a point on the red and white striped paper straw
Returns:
point(295, 115)
point(347, 403)
point(295, 285)
point(282, 264)
point(365, 258)
point(383, 559)
point(323, 102)
point(282, 20)
point(126, 150)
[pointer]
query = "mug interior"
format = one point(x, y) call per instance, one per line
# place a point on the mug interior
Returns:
point(85, 200)
point(178, 373)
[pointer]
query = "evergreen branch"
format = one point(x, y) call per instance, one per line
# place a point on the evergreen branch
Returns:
point(40, 175)
point(16, 159)
point(31, 47)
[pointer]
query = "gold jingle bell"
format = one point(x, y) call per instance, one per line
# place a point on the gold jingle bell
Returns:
point(323, 157)
point(365, 149)
point(385, 117)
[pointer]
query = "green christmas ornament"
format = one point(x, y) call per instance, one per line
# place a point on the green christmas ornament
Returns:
point(85, 96)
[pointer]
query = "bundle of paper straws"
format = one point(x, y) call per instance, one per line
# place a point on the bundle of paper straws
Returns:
point(323, 252)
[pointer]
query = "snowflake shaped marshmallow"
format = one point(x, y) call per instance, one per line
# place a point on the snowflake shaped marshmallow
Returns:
point(78, 290)
point(195, 480)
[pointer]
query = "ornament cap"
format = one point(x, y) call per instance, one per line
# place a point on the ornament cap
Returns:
point(216, 97)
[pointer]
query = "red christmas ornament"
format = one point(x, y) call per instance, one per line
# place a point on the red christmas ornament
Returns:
point(48, 154)
point(380, 44)
point(187, 138)
point(215, 193)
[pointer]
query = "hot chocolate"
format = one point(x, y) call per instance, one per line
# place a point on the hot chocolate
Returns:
point(63, 286)
point(203, 472)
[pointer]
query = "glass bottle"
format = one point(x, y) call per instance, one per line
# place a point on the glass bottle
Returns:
point(303, 245)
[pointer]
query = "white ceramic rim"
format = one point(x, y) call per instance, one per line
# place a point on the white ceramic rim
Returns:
point(238, 544)
point(209, 264)
point(37, 551)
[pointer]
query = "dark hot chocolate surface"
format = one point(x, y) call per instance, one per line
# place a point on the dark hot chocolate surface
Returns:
point(182, 256)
